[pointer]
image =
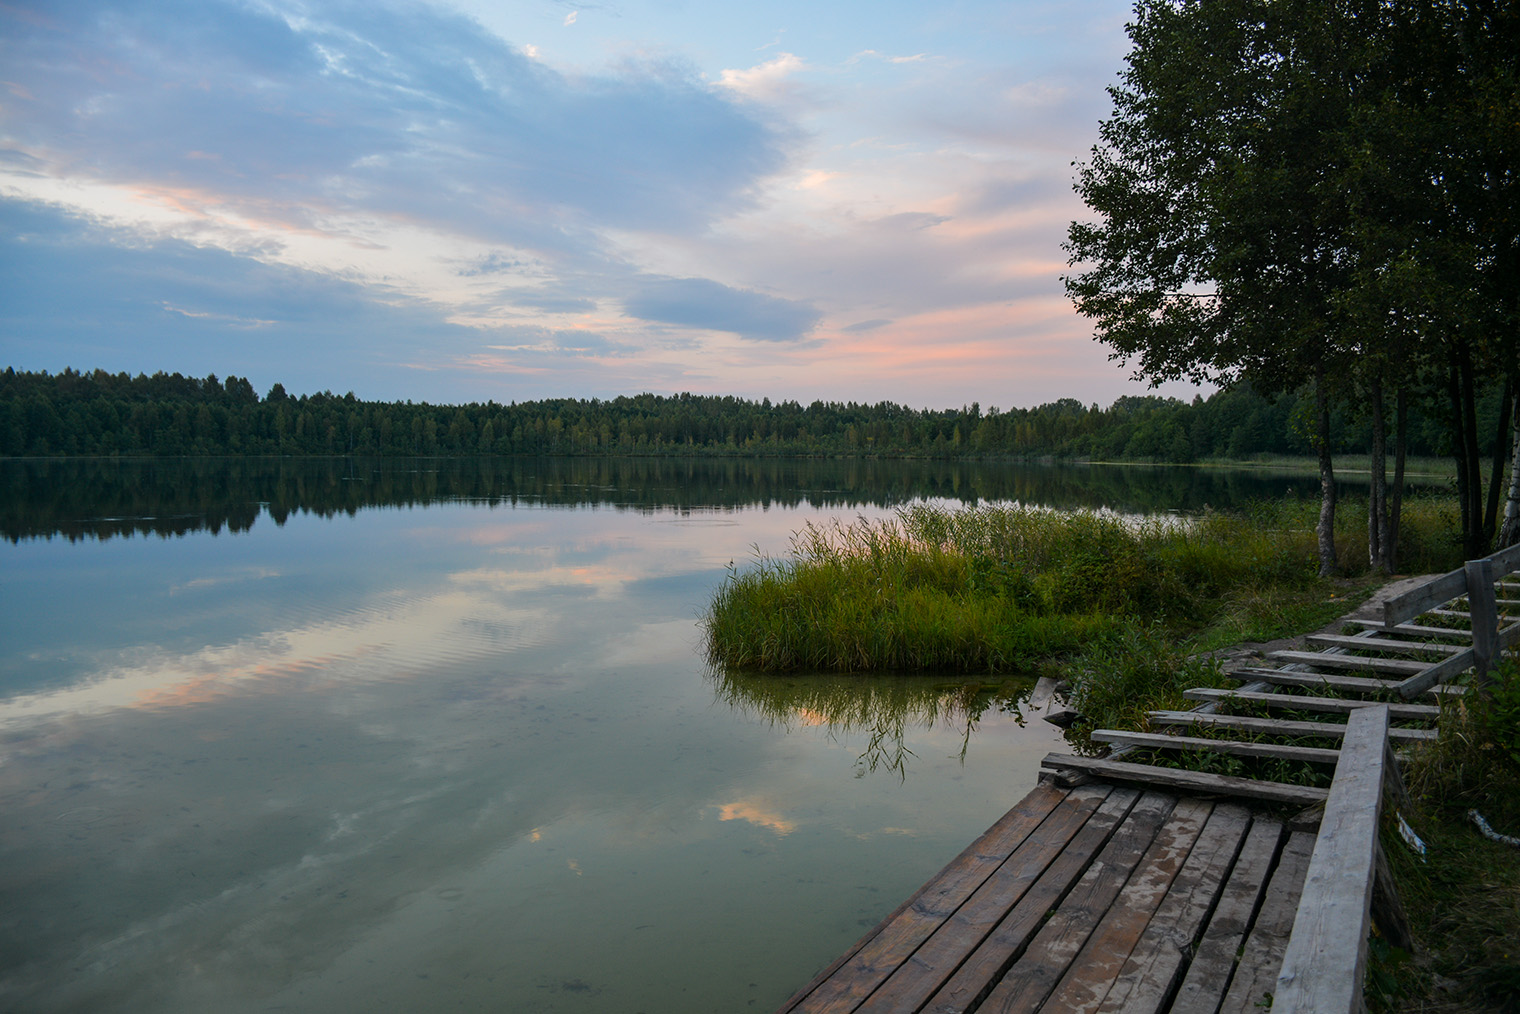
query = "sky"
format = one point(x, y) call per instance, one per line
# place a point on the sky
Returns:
point(462, 200)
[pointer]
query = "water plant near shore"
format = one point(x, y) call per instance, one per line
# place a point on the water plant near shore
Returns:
point(989, 588)
point(998, 589)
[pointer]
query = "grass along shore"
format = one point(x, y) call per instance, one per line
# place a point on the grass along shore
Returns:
point(996, 589)
point(1128, 613)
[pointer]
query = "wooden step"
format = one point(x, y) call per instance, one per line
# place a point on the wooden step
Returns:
point(1382, 644)
point(1164, 741)
point(1401, 666)
point(1273, 726)
point(1416, 629)
point(1189, 781)
point(1297, 702)
point(1314, 680)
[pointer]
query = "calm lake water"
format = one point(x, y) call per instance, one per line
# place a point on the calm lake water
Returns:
point(337, 735)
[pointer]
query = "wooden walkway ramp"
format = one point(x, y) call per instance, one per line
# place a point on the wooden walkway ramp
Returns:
point(1088, 899)
point(1122, 885)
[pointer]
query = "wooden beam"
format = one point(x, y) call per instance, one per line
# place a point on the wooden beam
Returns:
point(1381, 644)
point(1162, 741)
point(1326, 960)
point(1505, 560)
point(1188, 781)
point(1405, 667)
point(1275, 726)
point(1424, 598)
point(1296, 702)
point(1316, 680)
point(1416, 629)
point(1438, 673)
point(1485, 614)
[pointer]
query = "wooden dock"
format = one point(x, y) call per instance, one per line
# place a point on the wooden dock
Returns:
point(1120, 885)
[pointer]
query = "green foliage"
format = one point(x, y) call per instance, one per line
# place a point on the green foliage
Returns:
point(997, 589)
point(72, 413)
point(1116, 680)
point(1463, 896)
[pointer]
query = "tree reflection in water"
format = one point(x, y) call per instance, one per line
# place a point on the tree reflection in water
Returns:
point(883, 708)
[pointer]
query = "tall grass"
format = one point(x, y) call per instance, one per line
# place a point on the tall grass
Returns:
point(999, 589)
point(1463, 895)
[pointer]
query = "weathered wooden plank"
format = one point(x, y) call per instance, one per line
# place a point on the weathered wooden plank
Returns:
point(1297, 702)
point(916, 978)
point(1438, 673)
point(1163, 741)
point(1316, 680)
point(1094, 971)
point(1208, 974)
point(1276, 726)
point(1326, 958)
point(1505, 560)
point(1406, 667)
point(1151, 973)
point(1415, 629)
point(1485, 614)
point(1255, 975)
point(1024, 987)
point(981, 970)
point(1381, 644)
point(1065, 932)
point(902, 930)
point(1178, 779)
point(1420, 600)
point(1388, 914)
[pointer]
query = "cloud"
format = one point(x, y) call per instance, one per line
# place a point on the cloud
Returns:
point(76, 293)
point(700, 303)
point(767, 81)
point(299, 114)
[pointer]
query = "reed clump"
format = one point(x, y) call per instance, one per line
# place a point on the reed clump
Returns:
point(991, 588)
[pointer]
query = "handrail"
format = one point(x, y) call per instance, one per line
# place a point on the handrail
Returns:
point(1475, 579)
point(1412, 603)
point(1326, 958)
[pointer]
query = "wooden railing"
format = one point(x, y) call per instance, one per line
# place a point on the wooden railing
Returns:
point(1476, 580)
point(1326, 959)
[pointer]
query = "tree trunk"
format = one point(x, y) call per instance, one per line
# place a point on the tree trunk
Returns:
point(1401, 429)
point(1477, 545)
point(1509, 534)
point(1377, 495)
point(1496, 474)
point(1460, 451)
point(1325, 530)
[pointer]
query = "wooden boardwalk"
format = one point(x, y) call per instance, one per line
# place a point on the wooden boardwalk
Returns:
point(1120, 885)
point(1088, 899)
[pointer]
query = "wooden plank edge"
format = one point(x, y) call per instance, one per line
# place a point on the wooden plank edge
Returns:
point(1326, 958)
point(1056, 795)
point(1174, 779)
point(1271, 751)
point(1277, 726)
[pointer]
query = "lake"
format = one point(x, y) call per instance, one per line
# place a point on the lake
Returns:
point(400, 735)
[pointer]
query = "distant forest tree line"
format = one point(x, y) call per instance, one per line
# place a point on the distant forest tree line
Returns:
point(98, 413)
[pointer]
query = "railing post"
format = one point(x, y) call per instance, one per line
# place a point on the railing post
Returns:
point(1485, 614)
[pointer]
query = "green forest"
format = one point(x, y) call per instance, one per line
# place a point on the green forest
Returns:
point(73, 413)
